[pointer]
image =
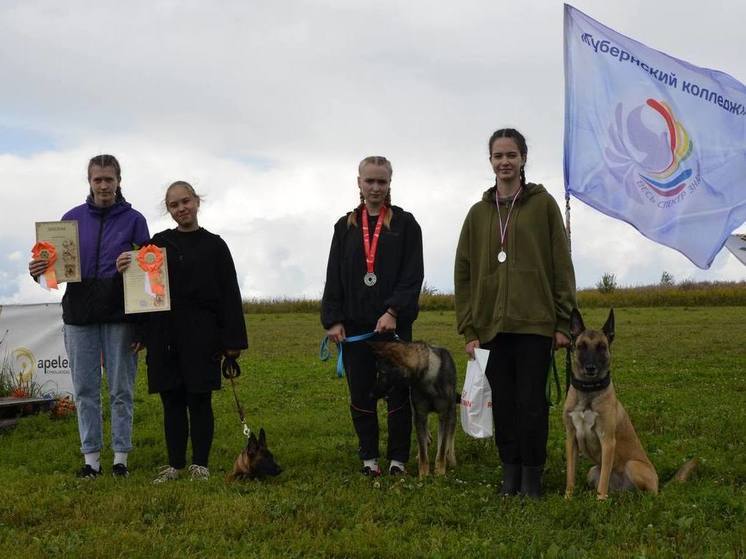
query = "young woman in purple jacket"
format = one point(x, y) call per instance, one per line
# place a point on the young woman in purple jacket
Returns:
point(95, 329)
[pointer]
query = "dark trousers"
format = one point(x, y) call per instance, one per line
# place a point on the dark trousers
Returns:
point(517, 372)
point(185, 413)
point(361, 372)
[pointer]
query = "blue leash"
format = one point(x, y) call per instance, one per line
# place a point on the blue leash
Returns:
point(324, 352)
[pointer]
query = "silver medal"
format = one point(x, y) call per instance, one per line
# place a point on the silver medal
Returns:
point(370, 279)
point(501, 256)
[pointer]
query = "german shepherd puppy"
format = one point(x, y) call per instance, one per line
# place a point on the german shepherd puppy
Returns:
point(255, 460)
point(431, 375)
point(596, 423)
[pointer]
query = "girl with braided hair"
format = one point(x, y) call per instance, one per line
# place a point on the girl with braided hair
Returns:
point(515, 288)
point(96, 328)
point(373, 281)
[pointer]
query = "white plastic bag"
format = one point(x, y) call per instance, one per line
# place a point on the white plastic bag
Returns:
point(476, 398)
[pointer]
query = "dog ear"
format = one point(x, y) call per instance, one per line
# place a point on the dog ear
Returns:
point(253, 445)
point(608, 328)
point(576, 324)
point(262, 438)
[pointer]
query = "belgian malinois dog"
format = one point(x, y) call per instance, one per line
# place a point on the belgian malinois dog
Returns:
point(596, 423)
point(431, 375)
point(255, 460)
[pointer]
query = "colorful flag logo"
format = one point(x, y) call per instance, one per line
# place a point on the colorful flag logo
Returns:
point(653, 140)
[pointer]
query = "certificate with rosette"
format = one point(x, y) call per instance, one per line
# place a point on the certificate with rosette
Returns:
point(737, 245)
point(146, 281)
point(58, 242)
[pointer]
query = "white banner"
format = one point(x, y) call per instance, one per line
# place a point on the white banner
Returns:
point(33, 348)
point(737, 245)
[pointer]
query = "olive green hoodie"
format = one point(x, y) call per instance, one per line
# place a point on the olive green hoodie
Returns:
point(533, 291)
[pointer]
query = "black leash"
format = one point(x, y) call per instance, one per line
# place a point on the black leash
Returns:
point(231, 371)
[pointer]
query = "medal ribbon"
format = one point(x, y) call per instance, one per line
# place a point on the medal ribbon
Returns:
point(504, 231)
point(150, 260)
point(371, 247)
point(46, 251)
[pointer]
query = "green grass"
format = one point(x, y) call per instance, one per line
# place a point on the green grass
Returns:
point(679, 372)
point(684, 294)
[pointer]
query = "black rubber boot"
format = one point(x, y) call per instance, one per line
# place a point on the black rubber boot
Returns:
point(511, 479)
point(531, 481)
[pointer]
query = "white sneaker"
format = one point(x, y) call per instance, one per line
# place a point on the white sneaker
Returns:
point(167, 473)
point(198, 473)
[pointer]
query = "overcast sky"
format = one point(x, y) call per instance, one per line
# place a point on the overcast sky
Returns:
point(267, 107)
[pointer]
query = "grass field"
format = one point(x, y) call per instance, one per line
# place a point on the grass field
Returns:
point(679, 372)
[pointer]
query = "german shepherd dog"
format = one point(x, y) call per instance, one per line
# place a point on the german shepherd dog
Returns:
point(255, 460)
point(596, 423)
point(431, 375)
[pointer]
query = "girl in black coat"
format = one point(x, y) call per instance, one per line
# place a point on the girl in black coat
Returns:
point(186, 344)
point(373, 281)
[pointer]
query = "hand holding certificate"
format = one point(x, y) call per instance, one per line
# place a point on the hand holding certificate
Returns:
point(57, 244)
point(146, 281)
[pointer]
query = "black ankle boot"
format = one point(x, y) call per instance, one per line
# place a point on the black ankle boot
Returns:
point(511, 479)
point(531, 481)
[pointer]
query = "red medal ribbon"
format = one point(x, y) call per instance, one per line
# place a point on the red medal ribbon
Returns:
point(504, 230)
point(371, 247)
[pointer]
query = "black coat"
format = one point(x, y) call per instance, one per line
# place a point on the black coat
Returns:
point(398, 266)
point(185, 344)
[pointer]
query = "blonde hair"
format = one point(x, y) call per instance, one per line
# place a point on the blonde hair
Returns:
point(186, 185)
point(382, 162)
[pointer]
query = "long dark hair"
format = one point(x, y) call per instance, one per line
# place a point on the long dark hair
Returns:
point(519, 140)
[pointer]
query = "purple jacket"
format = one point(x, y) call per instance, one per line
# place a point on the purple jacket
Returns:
point(104, 234)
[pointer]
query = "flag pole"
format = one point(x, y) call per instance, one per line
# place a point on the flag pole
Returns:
point(567, 220)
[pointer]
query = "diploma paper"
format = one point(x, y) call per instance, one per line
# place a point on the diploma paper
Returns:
point(139, 295)
point(64, 236)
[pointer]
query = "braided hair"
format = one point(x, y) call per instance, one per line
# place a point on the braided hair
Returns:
point(383, 162)
point(106, 160)
point(519, 140)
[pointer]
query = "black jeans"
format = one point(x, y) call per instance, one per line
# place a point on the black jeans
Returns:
point(517, 372)
point(361, 372)
point(185, 413)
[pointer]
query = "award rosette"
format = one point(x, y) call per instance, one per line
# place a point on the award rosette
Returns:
point(150, 260)
point(46, 251)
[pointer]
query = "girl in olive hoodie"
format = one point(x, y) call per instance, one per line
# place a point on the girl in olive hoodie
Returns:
point(515, 288)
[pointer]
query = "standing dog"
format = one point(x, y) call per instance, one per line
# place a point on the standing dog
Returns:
point(596, 423)
point(431, 375)
point(255, 460)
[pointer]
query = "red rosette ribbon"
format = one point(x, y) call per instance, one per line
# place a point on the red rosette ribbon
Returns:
point(46, 251)
point(150, 260)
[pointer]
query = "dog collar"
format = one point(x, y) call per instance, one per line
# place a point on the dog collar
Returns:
point(591, 385)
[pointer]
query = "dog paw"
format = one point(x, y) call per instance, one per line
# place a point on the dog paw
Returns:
point(568, 494)
point(602, 497)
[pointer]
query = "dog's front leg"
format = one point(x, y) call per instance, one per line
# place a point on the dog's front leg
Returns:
point(571, 454)
point(608, 448)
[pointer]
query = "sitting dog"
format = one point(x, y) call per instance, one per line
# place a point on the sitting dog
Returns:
point(596, 423)
point(431, 375)
point(255, 460)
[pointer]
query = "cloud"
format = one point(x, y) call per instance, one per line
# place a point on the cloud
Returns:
point(267, 108)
